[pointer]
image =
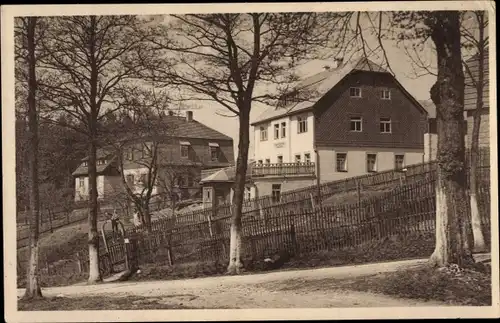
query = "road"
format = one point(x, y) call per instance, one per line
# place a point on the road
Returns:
point(254, 291)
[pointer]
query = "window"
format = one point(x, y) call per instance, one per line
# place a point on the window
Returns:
point(276, 192)
point(146, 150)
point(276, 131)
point(214, 153)
point(81, 182)
point(180, 181)
point(399, 161)
point(144, 180)
point(371, 162)
point(184, 151)
point(385, 94)
point(355, 92)
point(297, 158)
point(302, 124)
point(208, 194)
point(283, 129)
point(130, 179)
point(190, 181)
point(307, 157)
point(101, 162)
point(268, 161)
point(280, 159)
point(356, 124)
point(248, 194)
point(385, 125)
point(85, 164)
point(341, 160)
point(130, 153)
point(263, 133)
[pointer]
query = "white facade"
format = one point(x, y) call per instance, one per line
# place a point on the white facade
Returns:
point(293, 144)
point(105, 185)
point(137, 174)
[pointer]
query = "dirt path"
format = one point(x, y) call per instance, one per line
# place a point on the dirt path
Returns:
point(253, 291)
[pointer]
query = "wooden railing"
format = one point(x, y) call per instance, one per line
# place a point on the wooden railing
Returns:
point(283, 169)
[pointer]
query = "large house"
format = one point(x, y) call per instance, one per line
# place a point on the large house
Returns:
point(346, 121)
point(470, 104)
point(191, 148)
point(471, 76)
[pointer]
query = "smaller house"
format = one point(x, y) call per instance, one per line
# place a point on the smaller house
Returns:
point(107, 176)
point(218, 186)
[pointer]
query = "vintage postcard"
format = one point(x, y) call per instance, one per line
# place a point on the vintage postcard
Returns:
point(253, 161)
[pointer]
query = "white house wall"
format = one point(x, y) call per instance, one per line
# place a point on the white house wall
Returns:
point(294, 142)
point(137, 172)
point(356, 160)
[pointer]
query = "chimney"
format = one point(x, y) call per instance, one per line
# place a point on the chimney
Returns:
point(170, 112)
point(189, 116)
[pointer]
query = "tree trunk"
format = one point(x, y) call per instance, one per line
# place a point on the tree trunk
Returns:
point(147, 216)
point(235, 263)
point(93, 239)
point(477, 226)
point(452, 245)
point(33, 289)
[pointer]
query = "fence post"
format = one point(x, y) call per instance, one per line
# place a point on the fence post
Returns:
point(293, 238)
point(312, 201)
point(210, 225)
point(358, 189)
point(79, 263)
point(50, 221)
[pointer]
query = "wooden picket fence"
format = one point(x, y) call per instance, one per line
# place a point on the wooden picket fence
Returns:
point(301, 230)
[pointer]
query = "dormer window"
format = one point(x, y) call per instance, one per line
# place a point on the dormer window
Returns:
point(355, 92)
point(288, 98)
point(214, 151)
point(185, 149)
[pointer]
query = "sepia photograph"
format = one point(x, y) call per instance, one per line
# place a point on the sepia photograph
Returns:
point(254, 161)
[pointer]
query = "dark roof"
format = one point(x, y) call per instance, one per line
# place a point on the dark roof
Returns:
point(83, 170)
point(101, 153)
point(316, 86)
point(193, 129)
point(226, 175)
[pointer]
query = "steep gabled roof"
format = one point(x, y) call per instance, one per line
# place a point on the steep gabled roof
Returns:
point(193, 129)
point(316, 86)
point(226, 175)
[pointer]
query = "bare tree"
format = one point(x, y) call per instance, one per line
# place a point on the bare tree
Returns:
point(234, 60)
point(452, 243)
point(89, 57)
point(26, 36)
point(472, 30)
point(476, 39)
point(136, 137)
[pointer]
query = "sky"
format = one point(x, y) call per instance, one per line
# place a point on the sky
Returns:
point(398, 60)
